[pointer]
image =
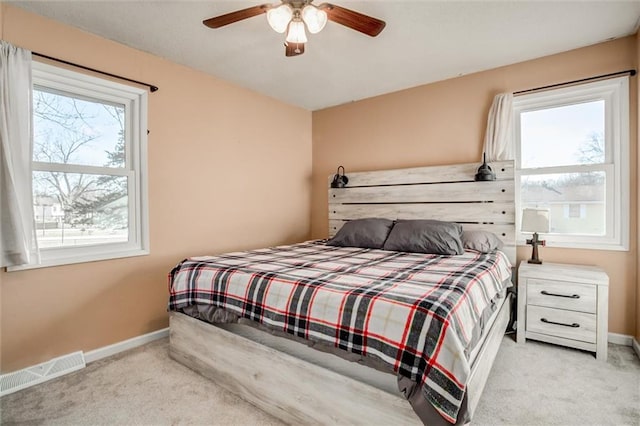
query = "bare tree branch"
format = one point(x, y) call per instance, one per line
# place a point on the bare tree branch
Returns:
point(592, 151)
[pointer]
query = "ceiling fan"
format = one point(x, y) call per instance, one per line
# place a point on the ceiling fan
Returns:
point(293, 16)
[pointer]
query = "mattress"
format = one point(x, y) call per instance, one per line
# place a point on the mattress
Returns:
point(419, 315)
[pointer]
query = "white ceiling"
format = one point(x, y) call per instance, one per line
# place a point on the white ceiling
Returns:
point(424, 41)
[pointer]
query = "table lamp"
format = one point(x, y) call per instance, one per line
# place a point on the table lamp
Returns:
point(535, 220)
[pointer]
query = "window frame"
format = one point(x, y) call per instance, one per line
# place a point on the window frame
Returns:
point(59, 80)
point(615, 93)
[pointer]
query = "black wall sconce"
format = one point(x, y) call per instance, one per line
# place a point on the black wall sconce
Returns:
point(484, 172)
point(339, 179)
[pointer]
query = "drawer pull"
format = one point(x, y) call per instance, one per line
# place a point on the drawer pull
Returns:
point(574, 325)
point(570, 296)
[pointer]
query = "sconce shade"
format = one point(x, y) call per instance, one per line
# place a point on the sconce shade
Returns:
point(339, 179)
point(484, 171)
point(535, 220)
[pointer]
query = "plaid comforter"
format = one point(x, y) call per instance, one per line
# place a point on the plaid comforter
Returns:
point(416, 312)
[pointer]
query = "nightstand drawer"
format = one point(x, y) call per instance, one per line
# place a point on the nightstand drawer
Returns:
point(562, 295)
point(567, 324)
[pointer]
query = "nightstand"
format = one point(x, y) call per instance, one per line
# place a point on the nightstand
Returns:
point(565, 305)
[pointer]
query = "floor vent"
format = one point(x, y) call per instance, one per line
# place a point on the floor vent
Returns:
point(30, 376)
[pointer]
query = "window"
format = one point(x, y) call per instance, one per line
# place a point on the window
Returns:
point(89, 167)
point(572, 148)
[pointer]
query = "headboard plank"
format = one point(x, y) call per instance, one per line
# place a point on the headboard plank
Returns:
point(437, 192)
point(504, 170)
point(499, 212)
point(441, 192)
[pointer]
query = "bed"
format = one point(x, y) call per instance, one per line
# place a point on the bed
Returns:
point(286, 364)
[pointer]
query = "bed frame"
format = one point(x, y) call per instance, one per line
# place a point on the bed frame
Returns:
point(301, 385)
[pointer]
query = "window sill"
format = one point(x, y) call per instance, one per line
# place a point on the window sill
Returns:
point(95, 257)
point(578, 246)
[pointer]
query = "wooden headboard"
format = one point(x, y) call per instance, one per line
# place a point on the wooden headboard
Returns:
point(436, 192)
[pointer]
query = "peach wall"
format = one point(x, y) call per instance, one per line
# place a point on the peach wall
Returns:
point(444, 123)
point(223, 175)
point(1, 20)
point(637, 58)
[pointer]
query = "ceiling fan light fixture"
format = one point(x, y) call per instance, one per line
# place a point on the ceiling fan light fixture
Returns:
point(279, 17)
point(295, 17)
point(315, 18)
point(296, 33)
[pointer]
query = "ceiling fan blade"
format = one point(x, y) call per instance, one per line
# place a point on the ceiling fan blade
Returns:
point(357, 21)
point(293, 49)
point(238, 15)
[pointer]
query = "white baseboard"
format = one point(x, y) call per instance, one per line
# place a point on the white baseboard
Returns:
point(134, 342)
point(59, 366)
point(620, 339)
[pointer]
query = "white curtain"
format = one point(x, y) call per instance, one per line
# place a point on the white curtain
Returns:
point(17, 238)
point(498, 140)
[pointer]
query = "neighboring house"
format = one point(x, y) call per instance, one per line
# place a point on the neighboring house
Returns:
point(574, 207)
point(48, 212)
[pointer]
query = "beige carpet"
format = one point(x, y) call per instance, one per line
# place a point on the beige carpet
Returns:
point(531, 384)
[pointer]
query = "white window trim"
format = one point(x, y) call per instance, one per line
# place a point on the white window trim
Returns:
point(615, 91)
point(135, 99)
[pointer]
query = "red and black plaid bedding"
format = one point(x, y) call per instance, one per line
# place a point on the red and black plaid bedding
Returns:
point(416, 312)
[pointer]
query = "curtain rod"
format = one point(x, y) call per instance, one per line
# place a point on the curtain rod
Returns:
point(566, 83)
point(151, 87)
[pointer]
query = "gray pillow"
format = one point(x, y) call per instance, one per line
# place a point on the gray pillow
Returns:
point(363, 233)
point(482, 241)
point(425, 236)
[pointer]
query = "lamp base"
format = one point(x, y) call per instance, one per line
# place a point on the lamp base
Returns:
point(535, 242)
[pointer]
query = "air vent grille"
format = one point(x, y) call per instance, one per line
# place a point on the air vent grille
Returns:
point(30, 376)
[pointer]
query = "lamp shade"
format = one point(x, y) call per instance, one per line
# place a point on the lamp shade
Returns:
point(296, 32)
point(535, 220)
point(315, 18)
point(279, 17)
